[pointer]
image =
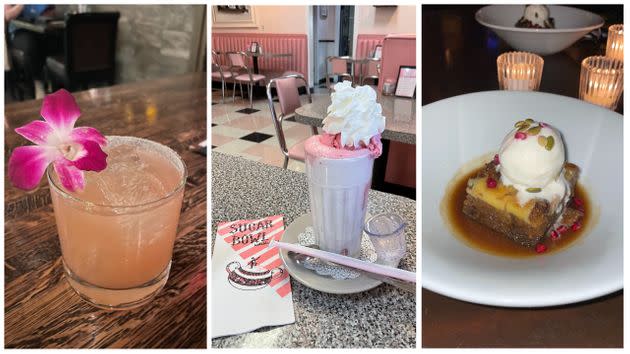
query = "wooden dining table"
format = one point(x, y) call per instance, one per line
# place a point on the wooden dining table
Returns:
point(41, 309)
point(459, 57)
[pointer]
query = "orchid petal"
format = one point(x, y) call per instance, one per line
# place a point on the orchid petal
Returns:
point(92, 157)
point(88, 134)
point(60, 110)
point(71, 178)
point(36, 131)
point(27, 165)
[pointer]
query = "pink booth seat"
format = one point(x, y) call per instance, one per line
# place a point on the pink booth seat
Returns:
point(275, 43)
point(398, 50)
point(366, 43)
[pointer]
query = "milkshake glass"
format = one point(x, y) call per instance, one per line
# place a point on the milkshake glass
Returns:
point(339, 182)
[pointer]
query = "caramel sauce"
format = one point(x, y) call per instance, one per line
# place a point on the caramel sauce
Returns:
point(485, 239)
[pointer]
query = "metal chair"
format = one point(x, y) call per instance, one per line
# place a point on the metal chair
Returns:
point(289, 99)
point(238, 61)
point(339, 68)
point(372, 69)
point(219, 74)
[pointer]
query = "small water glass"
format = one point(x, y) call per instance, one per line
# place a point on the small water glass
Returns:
point(386, 231)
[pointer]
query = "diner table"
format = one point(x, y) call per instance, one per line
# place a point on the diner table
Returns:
point(458, 57)
point(383, 317)
point(256, 55)
point(41, 309)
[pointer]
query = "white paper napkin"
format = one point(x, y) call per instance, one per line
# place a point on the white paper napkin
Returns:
point(250, 286)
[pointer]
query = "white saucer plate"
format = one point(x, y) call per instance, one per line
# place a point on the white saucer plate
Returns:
point(313, 280)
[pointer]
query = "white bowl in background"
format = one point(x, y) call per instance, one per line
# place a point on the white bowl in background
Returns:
point(458, 130)
point(571, 25)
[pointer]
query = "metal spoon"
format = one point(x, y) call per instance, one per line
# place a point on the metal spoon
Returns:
point(301, 259)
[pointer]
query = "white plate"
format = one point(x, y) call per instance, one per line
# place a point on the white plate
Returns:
point(571, 24)
point(460, 129)
point(309, 277)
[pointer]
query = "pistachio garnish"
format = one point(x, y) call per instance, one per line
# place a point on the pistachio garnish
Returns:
point(550, 143)
point(521, 125)
point(542, 141)
point(534, 130)
point(533, 190)
point(529, 120)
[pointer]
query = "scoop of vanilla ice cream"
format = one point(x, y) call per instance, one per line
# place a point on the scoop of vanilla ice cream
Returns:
point(537, 14)
point(531, 160)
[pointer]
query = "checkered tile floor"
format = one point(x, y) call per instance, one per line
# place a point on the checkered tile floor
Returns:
point(249, 133)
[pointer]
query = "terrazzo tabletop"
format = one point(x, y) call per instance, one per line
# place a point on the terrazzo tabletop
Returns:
point(400, 116)
point(384, 317)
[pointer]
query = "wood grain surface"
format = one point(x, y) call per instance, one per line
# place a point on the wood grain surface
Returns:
point(41, 310)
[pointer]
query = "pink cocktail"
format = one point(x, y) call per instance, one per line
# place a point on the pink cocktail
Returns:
point(117, 235)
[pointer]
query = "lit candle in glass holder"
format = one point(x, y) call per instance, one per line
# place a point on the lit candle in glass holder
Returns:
point(614, 45)
point(519, 71)
point(601, 81)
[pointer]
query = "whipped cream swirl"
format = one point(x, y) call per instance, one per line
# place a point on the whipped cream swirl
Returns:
point(354, 114)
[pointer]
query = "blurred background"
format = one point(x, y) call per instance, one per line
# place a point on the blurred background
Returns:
point(84, 46)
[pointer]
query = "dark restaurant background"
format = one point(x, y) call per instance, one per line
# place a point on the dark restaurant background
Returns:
point(152, 41)
point(459, 54)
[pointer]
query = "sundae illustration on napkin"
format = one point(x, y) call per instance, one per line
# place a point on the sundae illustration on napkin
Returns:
point(250, 286)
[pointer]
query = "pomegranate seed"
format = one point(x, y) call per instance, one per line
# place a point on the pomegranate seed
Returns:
point(562, 229)
point(540, 248)
point(576, 226)
point(491, 183)
point(520, 136)
point(496, 159)
point(555, 235)
point(578, 201)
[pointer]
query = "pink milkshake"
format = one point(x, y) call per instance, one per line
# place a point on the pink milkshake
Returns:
point(339, 166)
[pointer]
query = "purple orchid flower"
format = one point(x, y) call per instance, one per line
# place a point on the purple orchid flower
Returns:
point(71, 150)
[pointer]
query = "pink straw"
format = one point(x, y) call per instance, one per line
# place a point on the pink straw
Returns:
point(347, 261)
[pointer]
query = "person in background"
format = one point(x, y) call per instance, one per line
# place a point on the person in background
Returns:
point(28, 42)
